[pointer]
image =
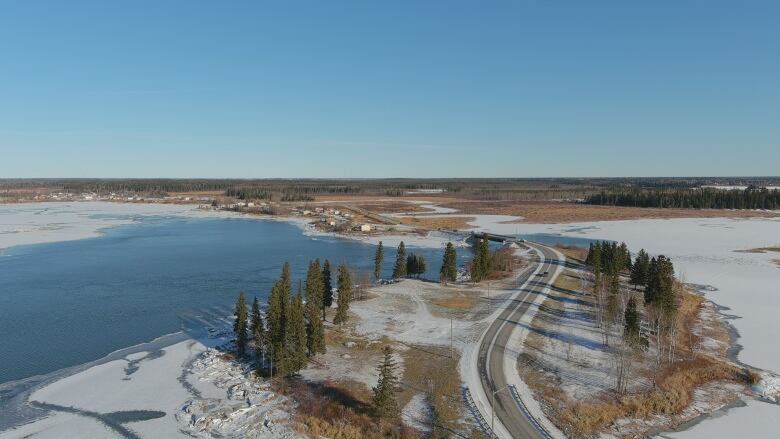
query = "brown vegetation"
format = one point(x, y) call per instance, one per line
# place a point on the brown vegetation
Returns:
point(332, 410)
point(431, 370)
point(459, 301)
point(439, 222)
point(547, 212)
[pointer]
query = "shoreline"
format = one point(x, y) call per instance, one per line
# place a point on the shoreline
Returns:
point(17, 412)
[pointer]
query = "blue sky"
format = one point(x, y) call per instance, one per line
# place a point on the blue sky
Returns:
point(389, 88)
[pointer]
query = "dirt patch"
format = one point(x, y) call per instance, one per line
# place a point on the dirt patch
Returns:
point(439, 222)
point(460, 301)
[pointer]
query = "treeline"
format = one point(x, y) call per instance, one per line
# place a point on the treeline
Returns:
point(703, 198)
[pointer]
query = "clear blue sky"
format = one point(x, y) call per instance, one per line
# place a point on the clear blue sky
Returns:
point(389, 88)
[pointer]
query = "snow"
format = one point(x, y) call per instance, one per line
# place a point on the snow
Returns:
point(36, 223)
point(417, 413)
point(193, 390)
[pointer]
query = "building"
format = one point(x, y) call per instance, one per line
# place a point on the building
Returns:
point(365, 227)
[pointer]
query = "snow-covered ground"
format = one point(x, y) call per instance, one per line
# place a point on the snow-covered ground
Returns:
point(183, 390)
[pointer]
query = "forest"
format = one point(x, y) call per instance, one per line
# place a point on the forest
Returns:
point(702, 198)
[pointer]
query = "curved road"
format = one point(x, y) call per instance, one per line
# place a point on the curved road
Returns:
point(495, 344)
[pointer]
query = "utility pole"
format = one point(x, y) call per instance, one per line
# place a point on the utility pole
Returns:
point(451, 352)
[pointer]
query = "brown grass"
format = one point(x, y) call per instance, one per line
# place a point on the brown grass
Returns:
point(439, 222)
point(431, 370)
point(673, 394)
point(543, 212)
point(335, 411)
point(460, 301)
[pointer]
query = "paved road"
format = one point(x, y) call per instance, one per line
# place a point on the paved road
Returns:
point(494, 344)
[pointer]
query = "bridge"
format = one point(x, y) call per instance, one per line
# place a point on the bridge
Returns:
point(495, 237)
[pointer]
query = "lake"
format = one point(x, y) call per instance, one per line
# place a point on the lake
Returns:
point(68, 303)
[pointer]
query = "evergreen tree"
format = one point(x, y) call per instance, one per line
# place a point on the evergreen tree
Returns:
point(411, 265)
point(421, 267)
point(480, 265)
point(378, 258)
point(386, 388)
point(278, 314)
point(640, 270)
point(399, 270)
point(449, 265)
point(327, 288)
point(295, 339)
point(315, 341)
point(256, 327)
point(344, 295)
point(631, 333)
point(239, 326)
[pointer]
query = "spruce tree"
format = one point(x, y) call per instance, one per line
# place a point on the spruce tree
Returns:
point(295, 339)
point(399, 270)
point(344, 295)
point(411, 265)
point(256, 327)
point(421, 267)
point(239, 325)
point(384, 399)
point(278, 314)
point(327, 287)
point(631, 332)
point(378, 258)
point(640, 269)
point(315, 340)
point(449, 267)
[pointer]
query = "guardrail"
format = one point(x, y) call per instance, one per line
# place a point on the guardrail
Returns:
point(472, 407)
point(535, 422)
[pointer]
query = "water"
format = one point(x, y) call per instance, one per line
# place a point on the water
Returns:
point(67, 303)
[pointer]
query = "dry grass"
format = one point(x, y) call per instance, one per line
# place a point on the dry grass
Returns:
point(573, 253)
point(335, 411)
point(459, 301)
point(544, 212)
point(439, 222)
point(776, 262)
point(431, 370)
point(672, 395)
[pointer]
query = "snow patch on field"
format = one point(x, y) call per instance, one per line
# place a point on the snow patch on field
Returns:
point(417, 413)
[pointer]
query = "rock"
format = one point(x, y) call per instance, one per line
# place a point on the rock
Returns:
point(350, 344)
point(346, 356)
